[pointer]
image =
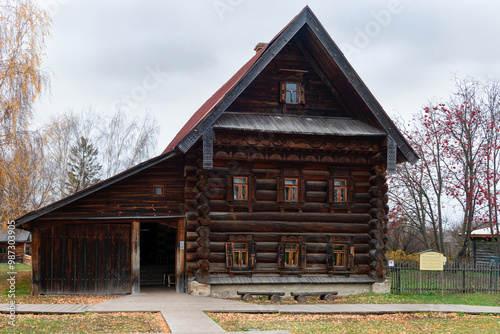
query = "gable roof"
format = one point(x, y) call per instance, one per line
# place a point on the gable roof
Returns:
point(324, 54)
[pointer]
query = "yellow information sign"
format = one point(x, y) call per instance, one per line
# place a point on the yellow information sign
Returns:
point(432, 261)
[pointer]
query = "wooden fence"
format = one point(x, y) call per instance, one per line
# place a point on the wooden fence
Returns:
point(457, 277)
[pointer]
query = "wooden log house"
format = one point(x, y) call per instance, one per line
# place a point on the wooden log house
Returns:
point(278, 182)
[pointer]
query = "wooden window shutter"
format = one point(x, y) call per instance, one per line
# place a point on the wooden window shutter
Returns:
point(352, 190)
point(281, 255)
point(229, 255)
point(350, 256)
point(302, 94)
point(329, 256)
point(330, 191)
point(252, 184)
point(230, 188)
point(283, 92)
point(302, 190)
point(253, 255)
point(280, 190)
point(303, 255)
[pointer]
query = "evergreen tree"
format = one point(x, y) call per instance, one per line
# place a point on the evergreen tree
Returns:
point(83, 166)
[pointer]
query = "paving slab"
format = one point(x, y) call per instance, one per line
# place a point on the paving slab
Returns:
point(185, 314)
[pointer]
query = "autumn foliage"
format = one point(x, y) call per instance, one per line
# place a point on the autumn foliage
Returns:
point(455, 183)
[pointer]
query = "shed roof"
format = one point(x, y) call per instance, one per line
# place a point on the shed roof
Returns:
point(318, 46)
point(294, 124)
point(19, 235)
point(483, 232)
point(93, 188)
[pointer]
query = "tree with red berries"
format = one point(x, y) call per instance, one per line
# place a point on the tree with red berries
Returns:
point(458, 144)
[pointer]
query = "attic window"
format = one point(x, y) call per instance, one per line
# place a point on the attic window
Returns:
point(292, 92)
point(158, 190)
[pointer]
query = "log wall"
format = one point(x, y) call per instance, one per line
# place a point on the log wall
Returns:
point(267, 224)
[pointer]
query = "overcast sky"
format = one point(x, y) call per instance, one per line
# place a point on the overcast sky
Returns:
point(168, 57)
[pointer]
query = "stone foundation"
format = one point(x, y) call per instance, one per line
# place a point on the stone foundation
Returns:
point(229, 291)
point(198, 289)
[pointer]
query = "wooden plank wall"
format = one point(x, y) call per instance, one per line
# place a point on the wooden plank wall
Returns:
point(267, 224)
point(133, 196)
point(84, 259)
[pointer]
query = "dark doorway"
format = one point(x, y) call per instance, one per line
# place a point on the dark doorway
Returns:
point(157, 254)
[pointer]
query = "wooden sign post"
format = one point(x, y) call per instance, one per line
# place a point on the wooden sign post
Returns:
point(432, 261)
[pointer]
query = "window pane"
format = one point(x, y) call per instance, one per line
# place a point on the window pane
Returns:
point(236, 191)
point(340, 182)
point(294, 194)
point(158, 191)
point(342, 195)
point(240, 246)
point(244, 192)
point(291, 92)
point(290, 181)
point(240, 180)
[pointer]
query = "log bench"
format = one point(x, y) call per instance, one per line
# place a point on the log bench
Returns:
point(273, 296)
point(302, 296)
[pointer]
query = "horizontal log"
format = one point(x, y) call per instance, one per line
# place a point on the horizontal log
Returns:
point(291, 217)
point(319, 237)
point(285, 227)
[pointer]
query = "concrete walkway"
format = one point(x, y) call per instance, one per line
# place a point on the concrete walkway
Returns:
point(184, 314)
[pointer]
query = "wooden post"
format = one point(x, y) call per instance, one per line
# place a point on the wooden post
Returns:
point(442, 283)
point(35, 263)
point(180, 257)
point(420, 281)
point(136, 257)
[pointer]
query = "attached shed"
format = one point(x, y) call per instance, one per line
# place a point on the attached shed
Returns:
point(483, 244)
point(277, 182)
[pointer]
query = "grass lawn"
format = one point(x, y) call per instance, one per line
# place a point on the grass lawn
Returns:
point(387, 323)
point(85, 323)
point(427, 298)
point(23, 290)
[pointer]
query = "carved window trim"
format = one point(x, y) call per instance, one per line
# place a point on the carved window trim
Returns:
point(292, 77)
point(334, 245)
point(340, 175)
point(294, 246)
point(251, 253)
point(288, 173)
point(243, 171)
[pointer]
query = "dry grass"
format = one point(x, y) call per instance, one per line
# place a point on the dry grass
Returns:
point(136, 322)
